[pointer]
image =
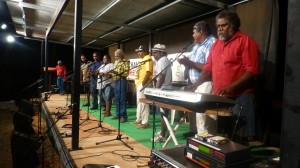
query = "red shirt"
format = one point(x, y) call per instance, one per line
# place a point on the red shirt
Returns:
point(228, 62)
point(60, 70)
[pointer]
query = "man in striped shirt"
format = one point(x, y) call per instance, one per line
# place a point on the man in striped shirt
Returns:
point(203, 40)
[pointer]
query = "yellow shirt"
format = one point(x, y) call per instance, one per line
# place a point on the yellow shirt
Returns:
point(122, 67)
point(141, 70)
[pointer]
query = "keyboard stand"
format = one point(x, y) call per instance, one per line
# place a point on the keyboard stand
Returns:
point(168, 106)
point(172, 131)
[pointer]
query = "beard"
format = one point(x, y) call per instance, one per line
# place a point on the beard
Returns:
point(224, 36)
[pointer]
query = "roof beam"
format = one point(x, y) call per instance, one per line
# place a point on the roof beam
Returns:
point(145, 16)
point(107, 22)
point(154, 12)
point(36, 7)
point(113, 3)
point(61, 7)
point(213, 3)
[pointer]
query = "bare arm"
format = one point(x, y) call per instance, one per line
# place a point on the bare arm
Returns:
point(160, 80)
point(204, 76)
point(190, 64)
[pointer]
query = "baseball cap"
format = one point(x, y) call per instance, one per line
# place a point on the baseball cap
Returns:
point(141, 48)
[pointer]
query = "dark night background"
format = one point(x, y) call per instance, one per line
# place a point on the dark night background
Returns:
point(21, 65)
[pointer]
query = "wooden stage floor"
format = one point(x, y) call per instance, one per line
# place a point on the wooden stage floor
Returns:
point(109, 153)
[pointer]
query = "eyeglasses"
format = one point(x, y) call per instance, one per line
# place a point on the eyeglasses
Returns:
point(222, 25)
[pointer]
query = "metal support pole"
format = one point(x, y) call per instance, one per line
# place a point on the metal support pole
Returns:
point(76, 76)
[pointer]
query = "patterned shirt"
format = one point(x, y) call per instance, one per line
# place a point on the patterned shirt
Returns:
point(199, 55)
point(122, 68)
point(84, 71)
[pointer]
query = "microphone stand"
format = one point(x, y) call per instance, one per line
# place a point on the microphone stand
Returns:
point(154, 78)
point(119, 136)
point(100, 122)
point(86, 88)
point(68, 85)
point(34, 83)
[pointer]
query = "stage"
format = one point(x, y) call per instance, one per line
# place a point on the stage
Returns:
point(109, 153)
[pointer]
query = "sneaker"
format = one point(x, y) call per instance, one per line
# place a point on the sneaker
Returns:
point(159, 138)
point(122, 120)
point(114, 118)
point(135, 123)
point(143, 126)
point(86, 104)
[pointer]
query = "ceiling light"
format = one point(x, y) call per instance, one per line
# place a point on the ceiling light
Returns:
point(3, 26)
point(10, 39)
point(21, 4)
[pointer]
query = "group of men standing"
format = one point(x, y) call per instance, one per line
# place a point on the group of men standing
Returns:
point(103, 79)
point(226, 66)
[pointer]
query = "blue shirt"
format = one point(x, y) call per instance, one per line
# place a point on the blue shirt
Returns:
point(94, 67)
point(199, 55)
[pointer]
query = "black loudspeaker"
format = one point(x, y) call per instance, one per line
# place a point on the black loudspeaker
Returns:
point(96, 166)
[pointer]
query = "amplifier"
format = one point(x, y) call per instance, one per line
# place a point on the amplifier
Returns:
point(170, 158)
point(208, 162)
point(226, 153)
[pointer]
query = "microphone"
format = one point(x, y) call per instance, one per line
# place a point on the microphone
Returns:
point(47, 92)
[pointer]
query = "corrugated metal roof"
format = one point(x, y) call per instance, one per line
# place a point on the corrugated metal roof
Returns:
point(105, 22)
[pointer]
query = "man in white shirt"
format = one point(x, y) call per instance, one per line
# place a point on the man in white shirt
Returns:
point(104, 83)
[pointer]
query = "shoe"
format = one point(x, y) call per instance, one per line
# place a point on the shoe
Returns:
point(189, 134)
point(86, 104)
point(94, 108)
point(143, 126)
point(135, 123)
point(114, 118)
point(122, 120)
point(159, 138)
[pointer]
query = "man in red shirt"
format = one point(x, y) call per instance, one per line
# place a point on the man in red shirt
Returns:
point(233, 65)
point(61, 76)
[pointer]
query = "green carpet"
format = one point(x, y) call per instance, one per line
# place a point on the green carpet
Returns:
point(141, 135)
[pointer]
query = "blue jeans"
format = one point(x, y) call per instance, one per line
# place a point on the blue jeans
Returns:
point(94, 93)
point(120, 98)
point(60, 84)
point(245, 104)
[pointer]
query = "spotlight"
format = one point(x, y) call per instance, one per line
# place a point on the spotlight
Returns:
point(3, 26)
point(10, 39)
